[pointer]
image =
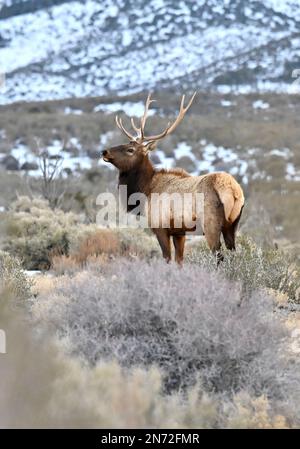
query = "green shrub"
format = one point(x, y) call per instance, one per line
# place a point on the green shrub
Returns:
point(12, 277)
point(35, 232)
point(253, 266)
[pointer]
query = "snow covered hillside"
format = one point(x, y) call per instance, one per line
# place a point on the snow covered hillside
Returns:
point(55, 49)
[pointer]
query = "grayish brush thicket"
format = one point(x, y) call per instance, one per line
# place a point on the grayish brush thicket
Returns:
point(254, 267)
point(194, 325)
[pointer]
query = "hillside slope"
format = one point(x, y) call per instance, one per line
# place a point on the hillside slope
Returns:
point(58, 48)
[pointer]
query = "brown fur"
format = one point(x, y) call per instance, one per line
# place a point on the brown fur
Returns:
point(223, 196)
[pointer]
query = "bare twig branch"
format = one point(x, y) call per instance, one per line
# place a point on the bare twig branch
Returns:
point(51, 170)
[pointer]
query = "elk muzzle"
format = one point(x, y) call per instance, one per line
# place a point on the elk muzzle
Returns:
point(106, 156)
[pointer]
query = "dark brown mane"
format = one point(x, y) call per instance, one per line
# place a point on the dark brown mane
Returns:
point(138, 179)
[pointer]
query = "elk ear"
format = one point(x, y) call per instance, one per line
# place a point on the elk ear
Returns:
point(150, 146)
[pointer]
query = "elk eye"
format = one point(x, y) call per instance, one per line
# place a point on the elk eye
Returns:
point(130, 150)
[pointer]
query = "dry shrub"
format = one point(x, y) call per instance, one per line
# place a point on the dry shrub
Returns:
point(194, 325)
point(253, 413)
point(96, 247)
point(103, 245)
point(103, 241)
point(42, 283)
point(72, 264)
point(12, 276)
point(41, 237)
point(35, 232)
point(254, 267)
point(42, 387)
point(137, 242)
point(62, 264)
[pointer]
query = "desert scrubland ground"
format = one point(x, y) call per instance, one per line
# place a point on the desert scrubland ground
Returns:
point(100, 331)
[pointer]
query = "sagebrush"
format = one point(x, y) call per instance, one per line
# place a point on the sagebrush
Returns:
point(12, 276)
point(42, 237)
point(253, 266)
point(35, 232)
point(45, 388)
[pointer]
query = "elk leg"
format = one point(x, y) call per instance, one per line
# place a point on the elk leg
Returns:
point(229, 233)
point(164, 242)
point(229, 237)
point(179, 241)
point(213, 235)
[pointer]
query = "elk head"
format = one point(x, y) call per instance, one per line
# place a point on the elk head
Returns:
point(128, 156)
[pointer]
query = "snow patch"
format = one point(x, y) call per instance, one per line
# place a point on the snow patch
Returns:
point(260, 104)
point(129, 108)
point(226, 103)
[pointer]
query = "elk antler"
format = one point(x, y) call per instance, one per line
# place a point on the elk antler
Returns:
point(141, 130)
point(120, 125)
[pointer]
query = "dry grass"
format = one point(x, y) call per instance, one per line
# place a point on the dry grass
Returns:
point(103, 245)
point(42, 284)
point(99, 243)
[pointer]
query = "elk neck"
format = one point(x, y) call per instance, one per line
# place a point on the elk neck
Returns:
point(138, 179)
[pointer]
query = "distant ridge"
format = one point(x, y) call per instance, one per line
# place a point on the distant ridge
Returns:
point(18, 7)
point(57, 48)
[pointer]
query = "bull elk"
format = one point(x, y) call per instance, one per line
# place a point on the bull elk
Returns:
point(223, 196)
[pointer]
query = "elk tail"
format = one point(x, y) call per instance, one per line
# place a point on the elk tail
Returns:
point(231, 196)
